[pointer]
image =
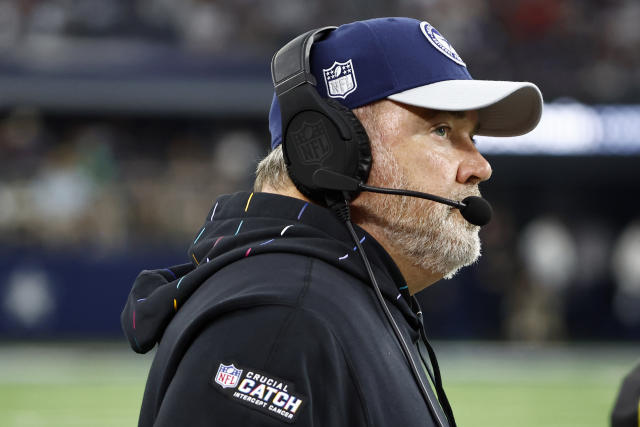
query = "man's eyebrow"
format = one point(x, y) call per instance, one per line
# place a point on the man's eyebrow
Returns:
point(457, 114)
point(460, 115)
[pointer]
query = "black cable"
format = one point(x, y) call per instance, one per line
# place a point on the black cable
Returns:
point(427, 366)
point(343, 212)
point(436, 377)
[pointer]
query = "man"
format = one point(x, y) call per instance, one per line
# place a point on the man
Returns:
point(275, 320)
point(626, 409)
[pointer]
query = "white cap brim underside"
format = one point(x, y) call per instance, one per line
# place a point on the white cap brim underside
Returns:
point(505, 108)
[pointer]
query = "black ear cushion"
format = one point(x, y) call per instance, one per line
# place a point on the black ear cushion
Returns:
point(361, 170)
point(304, 189)
point(355, 153)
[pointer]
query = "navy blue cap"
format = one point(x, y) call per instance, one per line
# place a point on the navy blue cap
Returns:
point(410, 62)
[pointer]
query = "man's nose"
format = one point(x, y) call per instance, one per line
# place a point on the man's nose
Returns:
point(474, 168)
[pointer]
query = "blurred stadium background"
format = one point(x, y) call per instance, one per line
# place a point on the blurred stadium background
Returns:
point(122, 120)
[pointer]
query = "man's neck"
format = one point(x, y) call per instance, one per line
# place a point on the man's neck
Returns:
point(417, 279)
point(289, 191)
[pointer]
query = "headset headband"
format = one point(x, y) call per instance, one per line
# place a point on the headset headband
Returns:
point(291, 69)
point(290, 66)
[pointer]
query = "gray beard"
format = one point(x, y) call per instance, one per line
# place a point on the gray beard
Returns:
point(434, 236)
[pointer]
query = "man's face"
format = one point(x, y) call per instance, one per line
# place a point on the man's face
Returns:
point(429, 151)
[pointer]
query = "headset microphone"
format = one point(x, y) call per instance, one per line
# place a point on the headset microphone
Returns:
point(475, 210)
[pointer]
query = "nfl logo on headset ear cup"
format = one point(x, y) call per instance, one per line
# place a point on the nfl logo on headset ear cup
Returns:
point(312, 141)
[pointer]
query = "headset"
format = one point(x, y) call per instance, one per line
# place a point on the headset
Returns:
point(317, 133)
point(328, 157)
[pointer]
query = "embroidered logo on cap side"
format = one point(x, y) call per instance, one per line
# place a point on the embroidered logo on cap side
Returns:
point(260, 391)
point(340, 79)
point(439, 42)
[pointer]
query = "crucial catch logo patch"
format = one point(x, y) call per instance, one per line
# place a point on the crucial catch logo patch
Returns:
point(260, 391)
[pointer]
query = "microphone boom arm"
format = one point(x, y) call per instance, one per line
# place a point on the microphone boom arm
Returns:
point(433, 197)
point(474, 209)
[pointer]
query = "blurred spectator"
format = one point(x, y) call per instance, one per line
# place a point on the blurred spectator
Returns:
point(535, 303)
point(23, 136)
point(60, 194)
point(626, 269)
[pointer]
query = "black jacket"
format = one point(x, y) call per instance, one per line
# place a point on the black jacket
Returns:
point(274, 321)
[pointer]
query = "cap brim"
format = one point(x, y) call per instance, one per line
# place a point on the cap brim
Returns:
point(505, 108)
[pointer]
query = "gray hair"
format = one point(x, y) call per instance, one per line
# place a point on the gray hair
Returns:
point(272, 171)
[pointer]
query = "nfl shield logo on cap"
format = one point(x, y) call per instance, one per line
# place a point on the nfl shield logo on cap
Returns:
point(228, 375)
point(340, 79)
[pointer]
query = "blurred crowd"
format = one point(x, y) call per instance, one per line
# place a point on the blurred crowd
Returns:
point(584, 49)
point(113, 183)
point(107, 184)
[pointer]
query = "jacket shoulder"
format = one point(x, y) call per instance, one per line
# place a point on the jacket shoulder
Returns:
point(280, 277)
point(261, 366)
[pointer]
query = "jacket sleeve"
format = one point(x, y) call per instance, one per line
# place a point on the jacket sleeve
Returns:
point(264, 366)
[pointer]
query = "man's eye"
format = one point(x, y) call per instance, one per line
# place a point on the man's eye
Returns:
point(442, 131)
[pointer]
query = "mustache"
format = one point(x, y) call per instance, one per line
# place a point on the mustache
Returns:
point(464, 193)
